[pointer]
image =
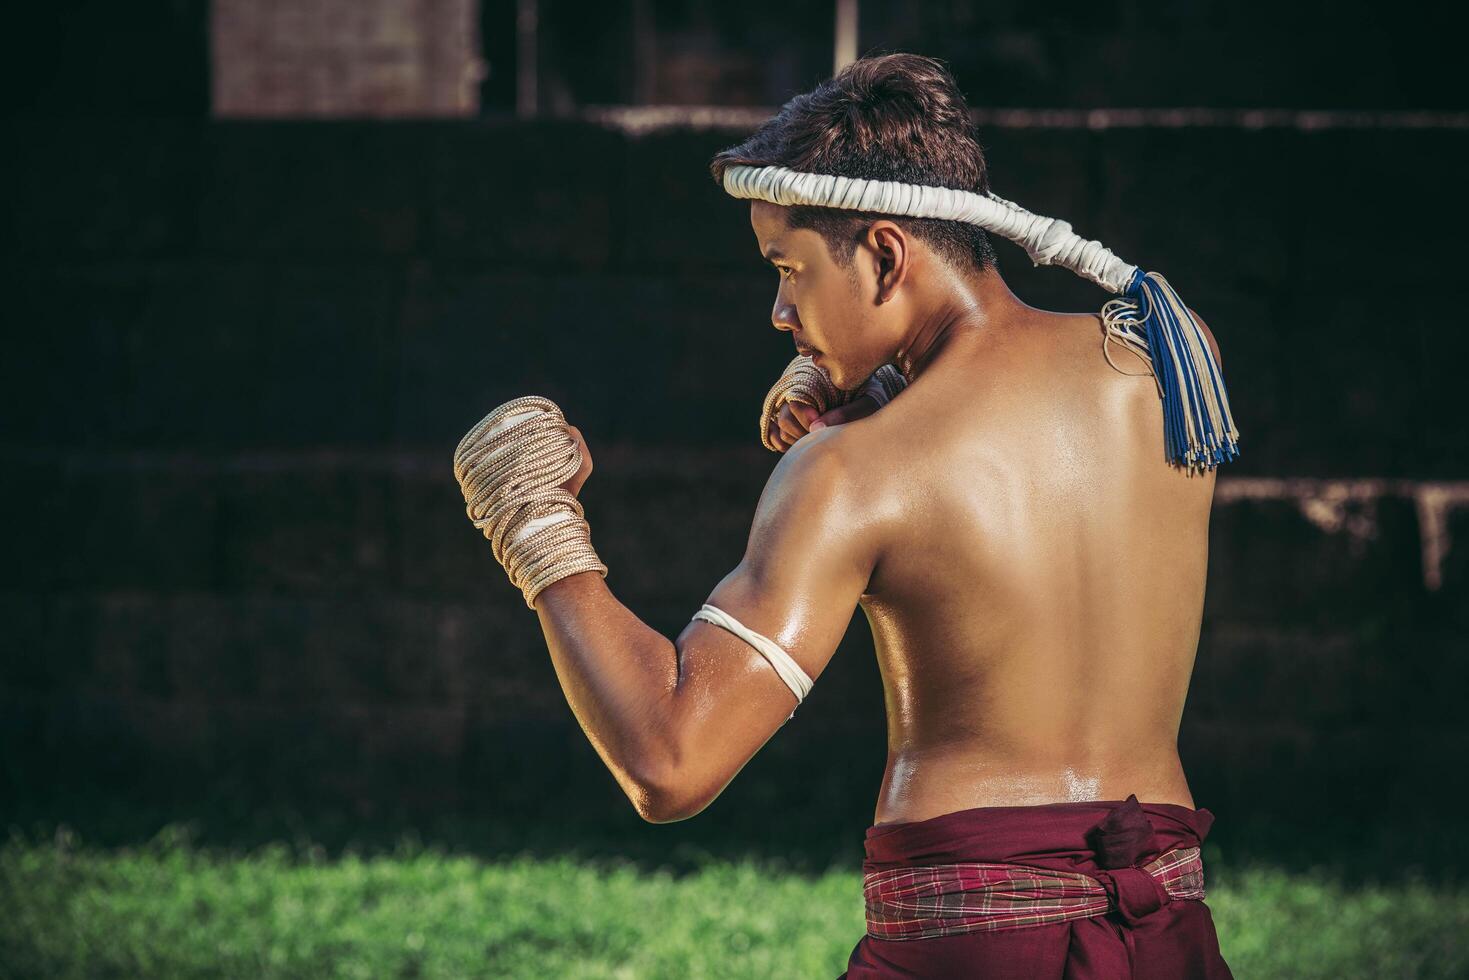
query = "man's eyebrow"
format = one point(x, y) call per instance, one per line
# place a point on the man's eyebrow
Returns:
point(773, 253)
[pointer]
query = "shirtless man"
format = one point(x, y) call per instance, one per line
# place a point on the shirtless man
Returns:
point(1032, 570)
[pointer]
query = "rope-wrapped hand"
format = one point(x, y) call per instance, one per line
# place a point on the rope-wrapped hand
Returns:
point(804, 382)
point(510, 467)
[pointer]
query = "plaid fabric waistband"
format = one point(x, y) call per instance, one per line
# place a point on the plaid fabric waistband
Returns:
point(947, 899)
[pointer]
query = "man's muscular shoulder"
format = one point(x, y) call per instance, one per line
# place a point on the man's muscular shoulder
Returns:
point(832, 475)
point(818, 463)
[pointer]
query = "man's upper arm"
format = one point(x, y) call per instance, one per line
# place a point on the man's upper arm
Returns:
point(808, 560)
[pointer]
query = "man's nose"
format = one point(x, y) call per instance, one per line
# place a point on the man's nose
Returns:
point(783, 316)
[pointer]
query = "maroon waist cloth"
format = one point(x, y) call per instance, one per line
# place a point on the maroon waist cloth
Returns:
point(1115, 909)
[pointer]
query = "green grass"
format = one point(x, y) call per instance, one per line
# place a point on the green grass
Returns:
point(173, 909)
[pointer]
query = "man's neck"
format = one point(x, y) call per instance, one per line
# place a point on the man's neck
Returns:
point(961, 305)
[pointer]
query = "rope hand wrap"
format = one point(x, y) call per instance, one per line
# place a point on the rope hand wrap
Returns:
point(802, 381)
point(510, 467)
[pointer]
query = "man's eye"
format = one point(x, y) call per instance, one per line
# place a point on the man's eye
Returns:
point(785, 271)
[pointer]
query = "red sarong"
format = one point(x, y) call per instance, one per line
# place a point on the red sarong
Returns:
point(1070, 891)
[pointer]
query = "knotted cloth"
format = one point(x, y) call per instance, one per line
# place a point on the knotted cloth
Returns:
point(1097, 890)
point(510, 467)
point(972, 896)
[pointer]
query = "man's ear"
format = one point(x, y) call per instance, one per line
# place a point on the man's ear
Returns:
point(890, 256)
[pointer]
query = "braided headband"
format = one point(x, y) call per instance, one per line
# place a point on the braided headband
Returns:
point(1148, 316)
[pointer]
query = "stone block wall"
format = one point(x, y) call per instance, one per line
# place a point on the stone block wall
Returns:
point(239, 356)
point(325, 58)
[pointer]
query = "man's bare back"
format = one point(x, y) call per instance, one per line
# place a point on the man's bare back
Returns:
point(1028, 552)
point(1037, 597)
point(1031, 564)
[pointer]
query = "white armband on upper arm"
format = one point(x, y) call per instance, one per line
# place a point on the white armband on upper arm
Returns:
point(790, 672)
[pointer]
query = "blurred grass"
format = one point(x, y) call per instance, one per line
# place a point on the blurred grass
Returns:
point(171, 907)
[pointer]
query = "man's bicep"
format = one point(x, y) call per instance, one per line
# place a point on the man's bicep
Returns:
point(807, 561)
point(796, 588)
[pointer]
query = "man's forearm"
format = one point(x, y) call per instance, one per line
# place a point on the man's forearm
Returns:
point(619, 676)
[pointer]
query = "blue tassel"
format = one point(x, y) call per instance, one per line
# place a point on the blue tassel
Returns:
point(1198, 430)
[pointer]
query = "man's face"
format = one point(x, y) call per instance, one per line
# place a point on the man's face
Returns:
point(818, 301)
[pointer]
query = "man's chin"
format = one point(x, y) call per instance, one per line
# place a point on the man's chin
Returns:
point(838, 378)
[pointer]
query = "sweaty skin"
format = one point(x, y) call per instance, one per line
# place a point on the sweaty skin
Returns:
point(1037, 603)
point(1036, 610)
point(1031, 567)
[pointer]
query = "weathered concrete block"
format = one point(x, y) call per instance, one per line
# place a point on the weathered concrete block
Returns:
point(606, 350)
point(674, 217)
point(265, 356)
point(471, 343)
point(64, 660)
point(46, 550)
point(442, 555)
point(129, 658)
point(506, 672)
point(341, 188)
point(644, 512)
point(1196, 204)
point(286, 750)
point(64, 380)
point(23, 665)
point(326, 370)
point(362, 651)
point(315, 651)
point(317, 528)
point(560, 214)
point(1332, 166)
point(136, 198)
point(413, 751)
point(1311, 552)
point(1450, 559)
point(1322, 677)
point(158, 520)
point(1369, 417)
point(201, 344)
point(93, 733)
point(22, 726)
point(1288, 770)
point(218, 645)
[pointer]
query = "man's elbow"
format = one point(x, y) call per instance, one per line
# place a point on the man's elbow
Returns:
point(668, 797)
point(665, 801)
point(664, 813)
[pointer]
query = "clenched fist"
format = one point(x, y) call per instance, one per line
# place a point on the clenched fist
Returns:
point(804, 400)
point(797, 418)
point(574, 484)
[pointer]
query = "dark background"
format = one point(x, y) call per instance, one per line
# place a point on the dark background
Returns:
point(239, 584)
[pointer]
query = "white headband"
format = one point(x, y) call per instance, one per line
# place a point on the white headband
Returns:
point(1199, 431)
point(1048, 241)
